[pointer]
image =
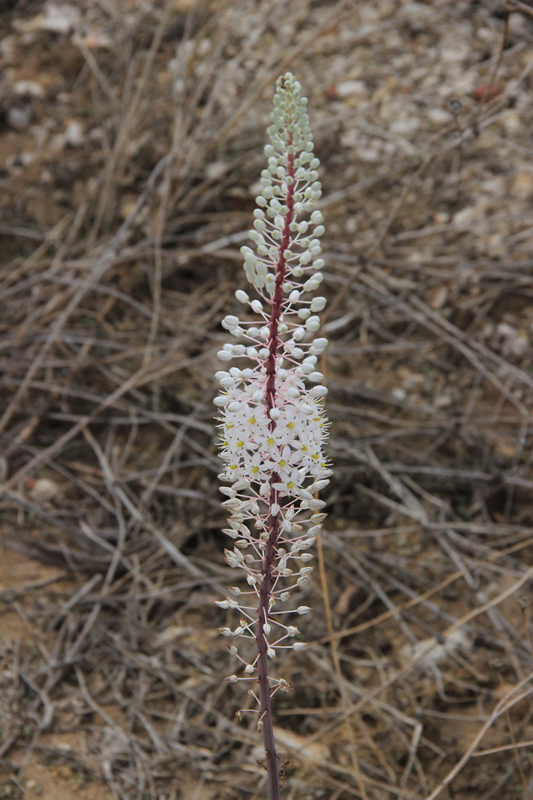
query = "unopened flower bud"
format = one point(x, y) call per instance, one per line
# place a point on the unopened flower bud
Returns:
point(316, 504)
point(318, 304)
point(312, 324)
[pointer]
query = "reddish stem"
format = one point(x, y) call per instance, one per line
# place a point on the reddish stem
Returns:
point(273, 339)
point(265, 714)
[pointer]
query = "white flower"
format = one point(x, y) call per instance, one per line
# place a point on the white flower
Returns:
point(273, 426)
point(289, 482)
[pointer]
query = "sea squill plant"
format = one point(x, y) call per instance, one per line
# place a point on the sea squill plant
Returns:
point(272, 420)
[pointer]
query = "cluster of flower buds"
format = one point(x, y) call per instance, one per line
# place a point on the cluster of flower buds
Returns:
point(272, 419)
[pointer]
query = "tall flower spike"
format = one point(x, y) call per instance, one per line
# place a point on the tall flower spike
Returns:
point(272, 420)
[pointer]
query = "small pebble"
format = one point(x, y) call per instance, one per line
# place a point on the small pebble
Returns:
point(19, 118)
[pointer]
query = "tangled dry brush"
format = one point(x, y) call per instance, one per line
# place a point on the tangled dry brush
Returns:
point(131, 147)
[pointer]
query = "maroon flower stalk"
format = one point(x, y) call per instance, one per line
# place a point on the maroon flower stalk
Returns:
point(273, 425)
point(265, 716)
